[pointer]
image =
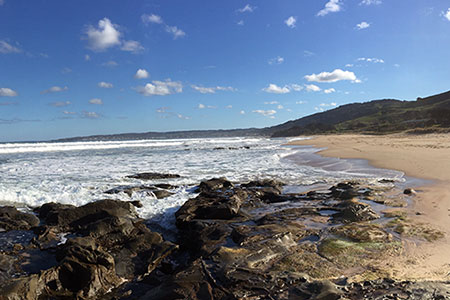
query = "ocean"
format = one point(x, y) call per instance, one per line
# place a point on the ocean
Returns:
point(77, 173)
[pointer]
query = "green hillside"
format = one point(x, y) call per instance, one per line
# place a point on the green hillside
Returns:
point(376, 117)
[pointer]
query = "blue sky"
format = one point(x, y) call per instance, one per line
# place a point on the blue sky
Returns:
point(71, 68)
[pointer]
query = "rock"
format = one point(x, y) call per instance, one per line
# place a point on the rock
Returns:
point(214, 185)
point(12, 219)
point(151, 190)
point(160, 194)
point(153, 176)
point(275, 185)
point(409, 191)
point(68, 217)
point(355, 212)
point(344, 191)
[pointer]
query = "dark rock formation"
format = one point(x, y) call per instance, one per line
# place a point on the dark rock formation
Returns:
point(153, 176)
point(12, 219)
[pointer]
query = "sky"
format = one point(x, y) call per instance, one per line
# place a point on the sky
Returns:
point(75, 68)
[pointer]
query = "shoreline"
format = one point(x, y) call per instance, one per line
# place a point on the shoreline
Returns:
point(423, 157)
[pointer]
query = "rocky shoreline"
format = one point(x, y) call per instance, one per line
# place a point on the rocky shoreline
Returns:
point(234, 241)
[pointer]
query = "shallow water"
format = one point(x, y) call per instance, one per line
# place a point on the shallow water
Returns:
point(32, 174)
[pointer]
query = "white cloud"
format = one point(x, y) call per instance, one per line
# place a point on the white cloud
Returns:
point(110, 63)
point(105, 85)
point(362, 25)
point(54, 89)
point(307, 53)
point(160, 88)
point(296, 87)
point(290, 22)
point(266, 113)
point(242, 112)
point(279, 106)
point(69, 112)
point(90, 115)
point(330, 6)
point(105, 36)
point(271, 102)
point(240, 23)
point(301, 102)
point(7, 92)
point(229, 106)
point(334, 76)
point(174, 30)
point(247, 8)
point(6, 48)
point(60, 103)
point(370, 2)
point(349, 65)
point(132, 46)
point(322, 106)
point(141, 74)
point(212, 90)
point(276, 60)
point(447, 14)
point(329, 91)
point(87, 57)
point(273, 88)
point(203, 106)
point(372, 60)
point(151, 19)
point(96, 101)
point(312, 88)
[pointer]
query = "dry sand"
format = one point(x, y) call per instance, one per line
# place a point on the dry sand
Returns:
point(419, 156)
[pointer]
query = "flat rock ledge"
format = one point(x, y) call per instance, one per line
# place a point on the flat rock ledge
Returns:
point(234, 241)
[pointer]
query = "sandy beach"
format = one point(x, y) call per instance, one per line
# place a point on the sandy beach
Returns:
point(419, 156)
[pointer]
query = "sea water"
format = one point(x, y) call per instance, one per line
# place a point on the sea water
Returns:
point(77, 173)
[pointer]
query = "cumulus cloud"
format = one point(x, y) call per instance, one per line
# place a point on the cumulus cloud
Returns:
point(152, 19)
point(96, 101)
point(60, 103)
point(362, 25)
point(54, 89)
point(275, 89)
point(90, 115)
point(105, 36)
point(160, 88)
point(334, 76)
point(328, 104)
point(132, 46)
point(279, 106)
point(141, 74)
point(329, 91)
point(330, 6)
point(370, 2)
point(276, 60)
point(174, 30)
point(266, 113)
point(296, 87)
point(212, 90)
point(371, 60)
point(242, 112)
point(105, 85)
point(312, 88)
point(447, 14)
point(6, 48)
point(290, 22)
point(247, 8)
point(66, 112)
point(271, 102)
point(7, 92)
point(203, 106)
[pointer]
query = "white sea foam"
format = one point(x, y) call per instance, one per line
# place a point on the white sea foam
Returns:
point(78, 173)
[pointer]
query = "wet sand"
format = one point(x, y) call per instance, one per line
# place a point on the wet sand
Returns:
point(420, 156)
